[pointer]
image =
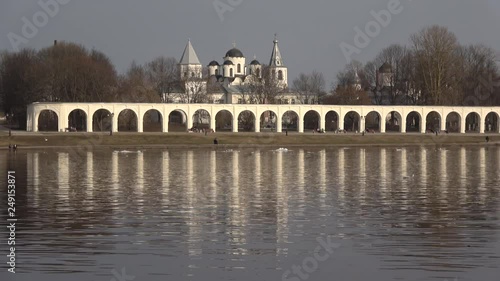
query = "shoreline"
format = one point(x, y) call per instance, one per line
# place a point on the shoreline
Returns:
point(42, 141)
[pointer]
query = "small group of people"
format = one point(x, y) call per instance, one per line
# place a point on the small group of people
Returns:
point(203, 131)
point(13, 147)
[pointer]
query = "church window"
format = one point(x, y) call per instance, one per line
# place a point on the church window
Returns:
point(231, 72)
point(239, 68)
point(257, 72)
point(250, 71)
point(280, 75)
point(192, 74)
point(185, 74)
point(216, 72)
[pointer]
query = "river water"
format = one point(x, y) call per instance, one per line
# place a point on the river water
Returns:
point(415, 213)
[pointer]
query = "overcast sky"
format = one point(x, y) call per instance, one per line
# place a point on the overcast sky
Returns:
point(310, 32)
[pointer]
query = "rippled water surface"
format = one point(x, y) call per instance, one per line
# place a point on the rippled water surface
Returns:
point(257, 214)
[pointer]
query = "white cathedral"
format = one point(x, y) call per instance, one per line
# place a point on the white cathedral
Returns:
point(231, 77)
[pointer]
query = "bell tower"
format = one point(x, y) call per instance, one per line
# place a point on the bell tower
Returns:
point(277, 68)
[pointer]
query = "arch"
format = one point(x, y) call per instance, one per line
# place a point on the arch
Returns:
point(48, 121)
point(224, 121)
point(177, 121)
point(472, 122)
point(127, 121)
point(491, 122)
point(239, 68)
point(312, 120)
point(352, 121)
point(373, 121)
point(290, 121)
point(268, 121)
point(332, 121)
point(453, 122)
point(152, 121)
point(433, 122)
point(201, 119)
point(280, 75)
point(77, 120)
point(413, 122)
point(101, 120)
point(246, 121)
point(216, 72)
point(393, 122)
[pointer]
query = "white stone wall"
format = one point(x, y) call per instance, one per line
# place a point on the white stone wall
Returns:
point(63, 111)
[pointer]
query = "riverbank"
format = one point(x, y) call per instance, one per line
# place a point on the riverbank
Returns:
point(48, 140)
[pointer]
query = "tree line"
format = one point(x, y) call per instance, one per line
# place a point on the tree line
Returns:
point(433, 69)
point(67, 72)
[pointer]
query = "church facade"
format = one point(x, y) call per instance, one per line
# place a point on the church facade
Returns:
point(229, 81)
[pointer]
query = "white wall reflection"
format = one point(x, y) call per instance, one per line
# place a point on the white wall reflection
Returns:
point(406, 177)
point(63, 175)
point(341, 175)
point(237, 211)
point(423, 166)
point(258, 175)
point(89, 185)
point(322, 171)
point(213, 178)
point(193, 220)
point(300, 175)
point(281, 206)
point(444, 189)
point(140, 172)
point(165, 168)
point(34, 175)
point(481, 165)
point(362, 171)
point(384, 172)
point(115, 176)
point(463, 171)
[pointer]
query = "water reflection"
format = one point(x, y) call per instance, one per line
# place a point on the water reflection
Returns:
point(430, 210)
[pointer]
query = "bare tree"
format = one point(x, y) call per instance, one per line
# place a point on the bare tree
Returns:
point(348, 75)
point(435, 53)
point(266, 90)
point(478, 72)
point(194, 89)
point(162, 73)
point(309, 88)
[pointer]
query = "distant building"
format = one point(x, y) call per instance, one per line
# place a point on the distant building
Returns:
point(382, 92)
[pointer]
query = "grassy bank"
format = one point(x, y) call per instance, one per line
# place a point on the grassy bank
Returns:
point(246, 139)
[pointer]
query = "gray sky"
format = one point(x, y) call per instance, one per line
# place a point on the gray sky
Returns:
point(310, 32)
